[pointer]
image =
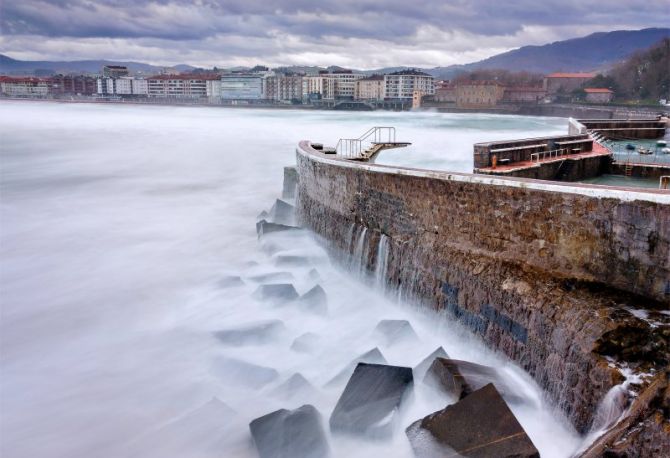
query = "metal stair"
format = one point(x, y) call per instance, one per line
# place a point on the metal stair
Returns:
point(369, 145)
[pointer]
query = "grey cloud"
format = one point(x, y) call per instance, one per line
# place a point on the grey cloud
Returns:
point(388, 20)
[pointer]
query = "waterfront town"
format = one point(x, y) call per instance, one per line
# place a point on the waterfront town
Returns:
point(261, 86)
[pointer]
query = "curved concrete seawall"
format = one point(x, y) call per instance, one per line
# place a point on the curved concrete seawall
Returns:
point(540, 270)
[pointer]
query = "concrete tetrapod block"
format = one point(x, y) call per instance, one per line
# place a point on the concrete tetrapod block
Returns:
point(282, 212)
point(272, 277)
point(394, 331)
point(315, 300)
point(259, 332)
point(460, 378)
point(290, 434)
point(479, 426)
point(373, 356)
point(295, 386)
point(230, 281)
point(421, 368)
point(371, 399)
point(265, 227)
point(236, 372)
point(305, 343)
point(278, 293)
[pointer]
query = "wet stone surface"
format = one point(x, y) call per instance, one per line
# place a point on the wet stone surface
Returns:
point(479, 426)
point(290, 434)
point(370, 400)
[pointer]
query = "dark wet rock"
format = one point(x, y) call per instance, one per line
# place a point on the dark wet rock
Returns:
point(421, 368)
point(265, 227)
point(315, 300)
point(272, 277)
point(295, 386)
point(199, 432)
point(254, 333)
point(230, 281)
point(394, 331)
point(314, 275)
point(305, 343)
point(460, 378)
point(373, 356)
point(279, 293)
point(282, 212)
point(371, 399)
point(479, 426)
point(237, 372)
point(292, 260)
point(636, 340)
point(262, 215)
point(295, 433)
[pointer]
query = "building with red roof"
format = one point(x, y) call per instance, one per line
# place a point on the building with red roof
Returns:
point(598, 94)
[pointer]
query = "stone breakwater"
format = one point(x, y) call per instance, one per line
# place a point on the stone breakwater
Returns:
point(569, 281)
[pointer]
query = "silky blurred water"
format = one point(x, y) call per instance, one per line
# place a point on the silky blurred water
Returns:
point(117, 224)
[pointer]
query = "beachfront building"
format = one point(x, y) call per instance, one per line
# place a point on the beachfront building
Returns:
point(598, 95)
point(319, 87)
point(242, 86)
point(445, 92)
point(185, 86)
point(122, 86)
point(24, 87)
point(370, 88)
point(283, 88)
point(523, 94)
point(114, 71)
point(479, 94)
point(402, 84)
point(72, 85)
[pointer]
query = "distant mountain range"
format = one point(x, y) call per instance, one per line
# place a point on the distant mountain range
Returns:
point(9, 66)
point(595, 52)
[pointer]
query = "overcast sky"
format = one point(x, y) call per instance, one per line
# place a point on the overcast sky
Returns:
point(353, 33)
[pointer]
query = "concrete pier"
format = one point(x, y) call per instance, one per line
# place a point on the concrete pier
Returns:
point(542, 271)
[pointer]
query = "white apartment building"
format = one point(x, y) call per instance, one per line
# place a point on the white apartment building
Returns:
point(214, 89)
point(402, 84)
point(125, 85)
point(322, 86)
point(28, 87)
point(283, 88)
point(239, 86)
point(345, 84)
point(179, 86)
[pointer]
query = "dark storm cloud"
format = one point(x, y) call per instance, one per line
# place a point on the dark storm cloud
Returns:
point(388, 20)
point(360, 33)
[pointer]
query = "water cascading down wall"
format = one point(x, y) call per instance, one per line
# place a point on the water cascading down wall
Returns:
point(537, 269)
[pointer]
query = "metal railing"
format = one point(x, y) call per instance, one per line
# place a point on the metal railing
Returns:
point(553, 154)
point(356, 147)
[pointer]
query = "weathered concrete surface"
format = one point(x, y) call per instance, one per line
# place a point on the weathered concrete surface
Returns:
point(540, 275)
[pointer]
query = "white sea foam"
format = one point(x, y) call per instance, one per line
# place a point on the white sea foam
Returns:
point(118, 223)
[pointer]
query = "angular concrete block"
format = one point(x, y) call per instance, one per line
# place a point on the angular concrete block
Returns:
point(479, 426)
point(278, 293)
point(315, 300)
point(290, 434)
point(371, 399)
point(395, 331)
point(256, 333)
point(460, 378)
point(421, 368)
